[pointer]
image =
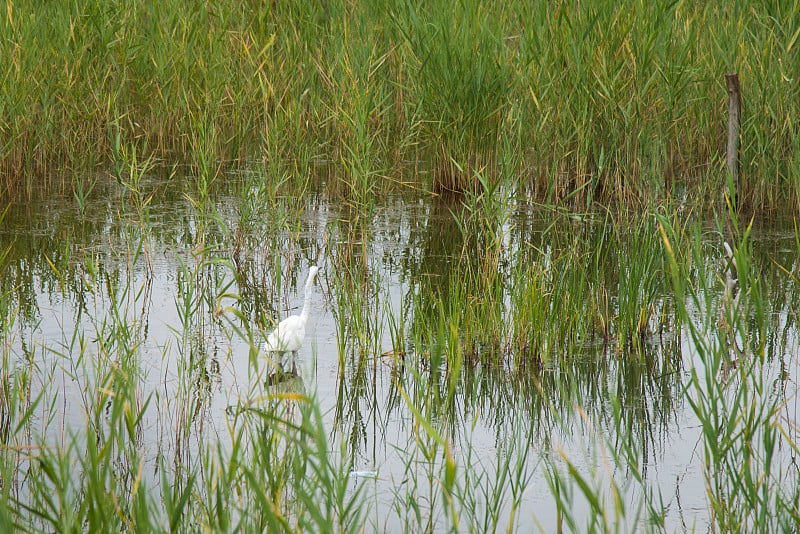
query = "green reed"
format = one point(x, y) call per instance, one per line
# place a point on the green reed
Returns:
point(742, 425)
point(501, 341)
point(613, 102)
point(460, 79)
point(640, 273)
point(75, 480)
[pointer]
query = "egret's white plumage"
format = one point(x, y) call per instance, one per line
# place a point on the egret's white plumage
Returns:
point(288, 336)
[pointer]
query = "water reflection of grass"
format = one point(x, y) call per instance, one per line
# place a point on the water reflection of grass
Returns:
point(479, 323)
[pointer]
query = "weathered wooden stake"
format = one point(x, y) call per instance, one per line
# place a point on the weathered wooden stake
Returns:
point(734, 119)
point(729, 306)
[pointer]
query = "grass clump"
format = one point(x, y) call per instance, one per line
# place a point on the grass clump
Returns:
point(461, 79)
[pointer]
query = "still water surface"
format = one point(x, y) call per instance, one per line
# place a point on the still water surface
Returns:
point(65, 266)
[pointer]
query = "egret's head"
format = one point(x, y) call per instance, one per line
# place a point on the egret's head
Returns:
point(312, 273)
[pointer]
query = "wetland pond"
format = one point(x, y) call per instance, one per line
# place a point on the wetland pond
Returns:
point(474, 364)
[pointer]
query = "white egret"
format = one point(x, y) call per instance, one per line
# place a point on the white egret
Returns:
point(288, 336)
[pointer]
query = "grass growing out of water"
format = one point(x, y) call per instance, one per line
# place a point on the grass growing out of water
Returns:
point(613, 101)
point(510, 341)
point(744, 420)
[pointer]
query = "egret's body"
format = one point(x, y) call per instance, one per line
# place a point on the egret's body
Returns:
point(289, 335)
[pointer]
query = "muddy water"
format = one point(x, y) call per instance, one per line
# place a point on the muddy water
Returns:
point(161, 271)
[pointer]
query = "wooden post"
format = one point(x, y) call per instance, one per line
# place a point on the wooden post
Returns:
point(729, 307)
point(734, 119)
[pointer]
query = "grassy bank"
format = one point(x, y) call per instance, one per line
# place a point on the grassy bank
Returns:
point(603, 101)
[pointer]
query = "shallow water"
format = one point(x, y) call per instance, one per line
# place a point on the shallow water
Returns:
point(65, 266)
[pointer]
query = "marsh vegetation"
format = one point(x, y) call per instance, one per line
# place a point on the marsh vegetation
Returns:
point(605, 101)
point(524, 317)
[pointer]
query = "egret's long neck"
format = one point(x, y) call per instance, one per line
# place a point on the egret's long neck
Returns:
point(306, 306)
point(307, 301)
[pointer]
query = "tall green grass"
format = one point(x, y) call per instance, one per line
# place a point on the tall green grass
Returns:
point(743, 424)
point(612, 101)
